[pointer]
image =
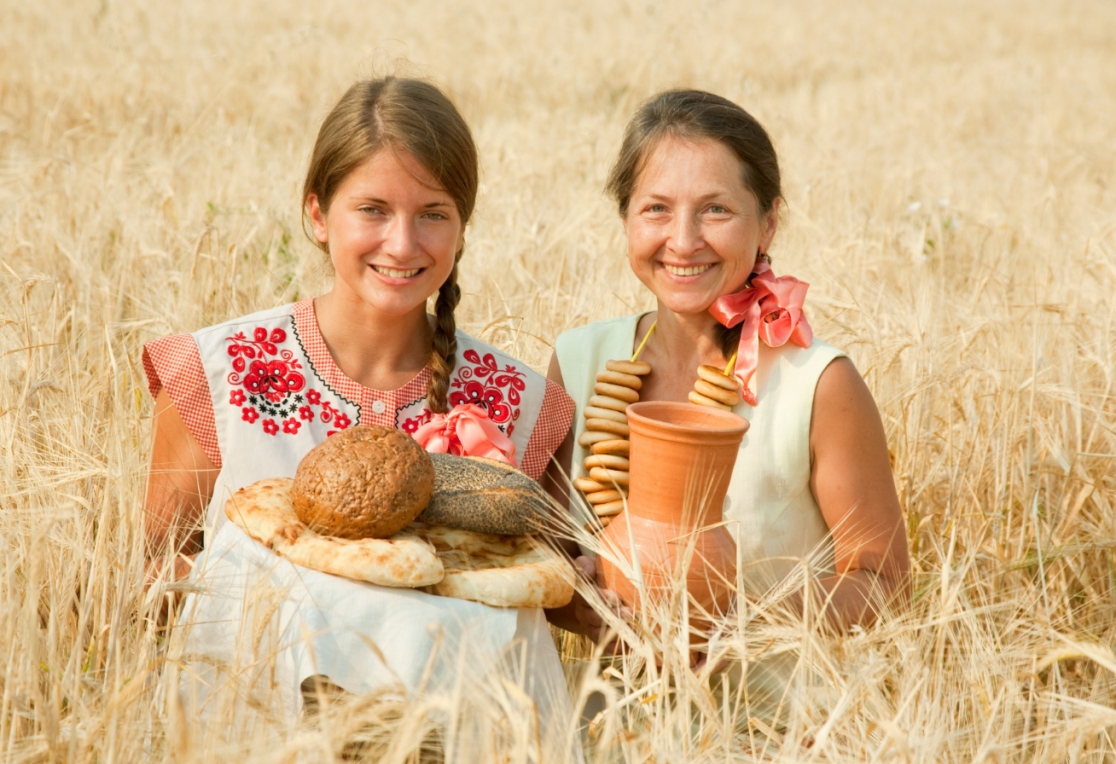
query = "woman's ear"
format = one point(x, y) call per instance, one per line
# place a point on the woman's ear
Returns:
point(317, 219)
point(770, 223)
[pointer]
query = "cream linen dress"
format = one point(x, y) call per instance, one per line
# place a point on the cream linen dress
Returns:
point(769, 509)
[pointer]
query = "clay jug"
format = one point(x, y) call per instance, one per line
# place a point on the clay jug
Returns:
point(682, 457)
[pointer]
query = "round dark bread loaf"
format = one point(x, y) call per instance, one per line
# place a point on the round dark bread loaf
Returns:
point(485, 496)
point(363, 482)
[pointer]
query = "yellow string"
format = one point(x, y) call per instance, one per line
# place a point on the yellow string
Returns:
point(635, 355)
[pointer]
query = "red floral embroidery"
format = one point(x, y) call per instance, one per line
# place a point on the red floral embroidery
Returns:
point(273, 380)
point(269, 378)
point(483, 383)
point(412, 425)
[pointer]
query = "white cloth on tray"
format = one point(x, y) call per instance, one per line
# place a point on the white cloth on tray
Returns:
point(265, 624)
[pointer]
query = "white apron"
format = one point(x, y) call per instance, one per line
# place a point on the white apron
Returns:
point(258, 393)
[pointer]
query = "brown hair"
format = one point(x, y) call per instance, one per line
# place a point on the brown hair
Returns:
point(416, 117)
point(696, 114)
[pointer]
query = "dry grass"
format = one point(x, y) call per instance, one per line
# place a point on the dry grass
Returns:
point(949, 173)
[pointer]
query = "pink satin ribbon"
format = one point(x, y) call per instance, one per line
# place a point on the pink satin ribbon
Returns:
point(770, 310)
point(466, 431)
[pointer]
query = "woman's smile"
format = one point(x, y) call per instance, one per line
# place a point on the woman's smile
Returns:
point(683, 271)
point(394, 275)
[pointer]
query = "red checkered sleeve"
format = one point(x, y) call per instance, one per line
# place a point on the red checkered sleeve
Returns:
point(550, 430)
point(174, 363)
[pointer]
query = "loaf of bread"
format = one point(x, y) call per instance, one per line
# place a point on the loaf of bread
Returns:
point(364, 482)
point(486, 496)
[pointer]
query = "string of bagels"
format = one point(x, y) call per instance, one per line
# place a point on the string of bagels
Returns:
point(768, 308)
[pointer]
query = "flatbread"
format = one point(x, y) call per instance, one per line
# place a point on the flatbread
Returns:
point(264, 511)
point(501, 571)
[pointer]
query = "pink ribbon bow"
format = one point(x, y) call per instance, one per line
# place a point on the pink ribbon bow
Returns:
point(466, 431)
point(771, 310)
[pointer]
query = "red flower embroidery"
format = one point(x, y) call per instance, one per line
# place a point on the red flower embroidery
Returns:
point(411, 426)
point(272, 378)
point(268, 383)
point(481, 382)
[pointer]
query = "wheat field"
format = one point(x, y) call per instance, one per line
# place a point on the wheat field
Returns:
point(949, 172)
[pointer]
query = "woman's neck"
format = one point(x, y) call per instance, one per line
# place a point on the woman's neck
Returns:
point(378, 351)
point(680, 344)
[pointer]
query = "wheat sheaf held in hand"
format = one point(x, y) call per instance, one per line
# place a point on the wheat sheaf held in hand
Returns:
point(950, 199)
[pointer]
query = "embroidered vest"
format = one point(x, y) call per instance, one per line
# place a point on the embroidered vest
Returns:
point(260, 391)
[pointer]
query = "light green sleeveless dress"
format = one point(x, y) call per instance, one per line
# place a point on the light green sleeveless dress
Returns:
point(769, 509)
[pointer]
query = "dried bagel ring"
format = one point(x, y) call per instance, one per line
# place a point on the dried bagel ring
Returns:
point(608, 461)
point(585, 485)
point(715, 376)
point(603, 497)
point(609, 477)
point(592, 412)
point(701, 400)
point(608, 426)
point(620, 446)
point(618, 378)
point(616, 391)
point(608, 402)
point(610, 509)
point(638, 368)
point(590, 438)
point(720, 394)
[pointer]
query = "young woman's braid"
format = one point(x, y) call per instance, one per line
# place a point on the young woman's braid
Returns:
point(444, 355)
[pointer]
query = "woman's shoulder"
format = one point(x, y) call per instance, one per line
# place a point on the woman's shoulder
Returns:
point(604, 328)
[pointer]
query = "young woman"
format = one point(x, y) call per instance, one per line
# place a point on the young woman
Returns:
point(698, 190)
point(391, 185)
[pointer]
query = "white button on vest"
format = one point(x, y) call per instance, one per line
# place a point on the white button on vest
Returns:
point(378, 407)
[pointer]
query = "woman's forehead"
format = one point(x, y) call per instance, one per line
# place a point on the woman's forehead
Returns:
point(694, 161)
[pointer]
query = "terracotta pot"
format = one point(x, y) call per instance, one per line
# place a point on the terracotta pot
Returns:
point(682, 457)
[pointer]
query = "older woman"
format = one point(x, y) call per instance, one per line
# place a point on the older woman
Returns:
point(698, 190)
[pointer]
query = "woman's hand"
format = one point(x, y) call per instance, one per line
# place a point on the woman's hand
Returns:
point(580, 616)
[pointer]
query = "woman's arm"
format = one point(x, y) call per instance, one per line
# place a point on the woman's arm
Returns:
point(180, 483)
point(852, 482)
